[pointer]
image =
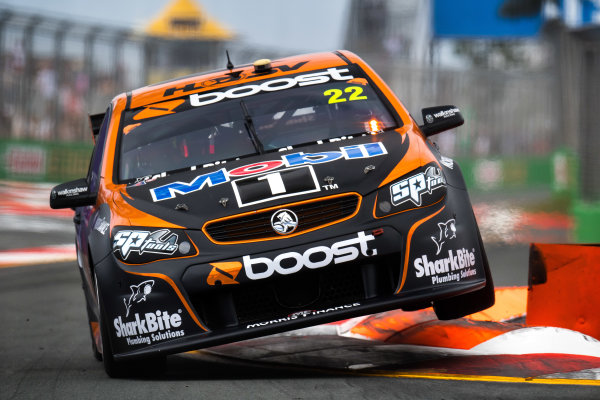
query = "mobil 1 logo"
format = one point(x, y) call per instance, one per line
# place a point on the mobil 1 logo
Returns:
point(275, 185)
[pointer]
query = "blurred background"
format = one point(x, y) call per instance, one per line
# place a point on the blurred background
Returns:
point(525, 74)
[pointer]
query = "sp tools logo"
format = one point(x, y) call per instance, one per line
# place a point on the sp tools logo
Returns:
point(313, 258)
point(413, 188)
point(284, 221)
point(138, 294)
point(447, 232)
point(162, 241)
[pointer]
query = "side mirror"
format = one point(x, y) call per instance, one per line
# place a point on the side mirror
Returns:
point(440, 119)
point(72, 194)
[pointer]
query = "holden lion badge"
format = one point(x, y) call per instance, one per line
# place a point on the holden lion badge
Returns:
point(284, 221)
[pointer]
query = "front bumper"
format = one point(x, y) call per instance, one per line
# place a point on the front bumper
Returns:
point(198, 302)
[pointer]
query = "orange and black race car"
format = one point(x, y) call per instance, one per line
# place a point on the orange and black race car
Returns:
point(263, 198)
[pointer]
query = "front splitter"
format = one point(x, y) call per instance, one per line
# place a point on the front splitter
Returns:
point(495, 347)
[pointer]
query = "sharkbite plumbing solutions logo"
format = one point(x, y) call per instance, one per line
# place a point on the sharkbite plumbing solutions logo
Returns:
point(146, 328)
point(447, 232)
point(138, 294)
point(149, 327)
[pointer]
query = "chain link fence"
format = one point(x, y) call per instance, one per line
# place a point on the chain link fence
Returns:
point(506, 114)
point(582, 88)
point(54, 72)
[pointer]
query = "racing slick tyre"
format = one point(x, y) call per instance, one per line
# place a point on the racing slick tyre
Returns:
point(147, 367)
point(459, 306)
point(91, 321)
point(470, 303)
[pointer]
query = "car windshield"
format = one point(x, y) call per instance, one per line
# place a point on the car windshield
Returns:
point(251, 118)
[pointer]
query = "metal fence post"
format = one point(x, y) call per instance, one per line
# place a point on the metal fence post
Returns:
point(590, 123)
point(59, 38)
point(30, 70)
point(5, 16)
point(89, 41)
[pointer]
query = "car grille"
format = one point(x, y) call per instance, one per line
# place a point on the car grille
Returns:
point(312, 214)
point(308, 290)
point(312, 290)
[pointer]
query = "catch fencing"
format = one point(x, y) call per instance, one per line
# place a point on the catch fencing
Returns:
point(506, 114)
point(54, 72)
point(580, 70)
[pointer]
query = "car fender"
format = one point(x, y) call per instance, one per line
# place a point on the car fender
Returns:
point(99, 235)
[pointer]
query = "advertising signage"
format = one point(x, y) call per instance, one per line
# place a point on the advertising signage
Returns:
point(480, 19)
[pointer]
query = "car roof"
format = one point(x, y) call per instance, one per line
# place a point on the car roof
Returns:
point(239, 74)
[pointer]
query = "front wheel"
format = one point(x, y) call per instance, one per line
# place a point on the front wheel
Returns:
point(470, 303)
point(93, 325)
point(466, 304)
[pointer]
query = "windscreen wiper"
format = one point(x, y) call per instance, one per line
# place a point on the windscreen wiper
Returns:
point(249, 124)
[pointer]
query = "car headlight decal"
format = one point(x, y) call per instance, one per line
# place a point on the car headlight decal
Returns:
point(420, 188)
point(414, 187)
point(143, 245)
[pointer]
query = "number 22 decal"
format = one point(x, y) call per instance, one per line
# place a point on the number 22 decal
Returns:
point(336, 94)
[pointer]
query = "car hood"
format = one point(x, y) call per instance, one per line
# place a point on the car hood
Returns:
point(192, 197)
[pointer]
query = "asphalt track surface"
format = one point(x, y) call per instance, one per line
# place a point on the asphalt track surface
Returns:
point(45, 347)
point(45, 350)
point(46, 353)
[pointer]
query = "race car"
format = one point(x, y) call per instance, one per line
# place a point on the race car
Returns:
point(263, 198)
